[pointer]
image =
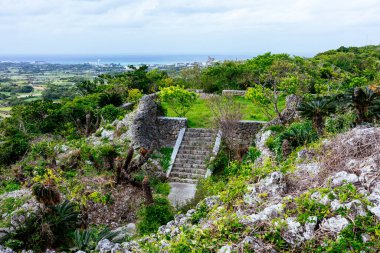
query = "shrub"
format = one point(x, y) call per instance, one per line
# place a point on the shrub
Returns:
point(252, 154)
point(134, 95)
point(111, 112)
point(9, 186)
point(340, 123)
point(220, 162)
point(178, 99)
point(46, 228)
point(297, 134)
point(151, 217)
point(111, 98)
point(165, 158)
point(162, 188)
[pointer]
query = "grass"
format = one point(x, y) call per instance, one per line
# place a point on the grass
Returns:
point(200, 114)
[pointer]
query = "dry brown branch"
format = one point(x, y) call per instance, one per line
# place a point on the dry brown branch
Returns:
point(226, 116)
point(357, 145)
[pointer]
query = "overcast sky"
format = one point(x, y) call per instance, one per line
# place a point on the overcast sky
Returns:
point(185, 26)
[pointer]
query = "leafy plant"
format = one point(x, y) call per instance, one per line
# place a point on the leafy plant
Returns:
point(155, 215)
point(178, 99)
point(297, 134)
point(316, 110)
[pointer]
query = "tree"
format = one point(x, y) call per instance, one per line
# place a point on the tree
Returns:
point(178, 99)
point(316, 110)
point(276, 77)
point(364, 100)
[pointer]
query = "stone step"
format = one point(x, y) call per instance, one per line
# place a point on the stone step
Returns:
point(200, 130)
point(183, 180)
point(199, 143)
point(198, 135)
point(194, 151)
point(203, 141)
point(191, 156)
point(190, 147)
point(187, 165)
point(188, 161)
point(186, 175)
point(189, 170)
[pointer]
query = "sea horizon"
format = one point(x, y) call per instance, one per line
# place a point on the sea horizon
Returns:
point(123, 59)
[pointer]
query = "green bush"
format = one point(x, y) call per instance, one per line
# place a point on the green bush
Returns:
point(165, 158)
point(219, 163)
point(111, 112)
point(298, 134)
point(162, 188)
point(252, 154)
point(47, 228)
point(340, 123)
point(178, 99)
point(9, 186)
point(151, 217)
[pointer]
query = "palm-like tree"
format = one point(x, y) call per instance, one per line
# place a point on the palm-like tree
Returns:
point(364, 100)
point(316, 110)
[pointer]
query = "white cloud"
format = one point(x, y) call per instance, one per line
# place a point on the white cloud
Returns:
point(189, 26)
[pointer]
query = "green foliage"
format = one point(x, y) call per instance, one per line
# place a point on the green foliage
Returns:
point(88, 239)
point(153, 216)
point(9, 186)
point(47, 228)
point(134, 95)
point(298, 134)
point(316, 110)
point(165, 158)
point(219, 163)
point(54, 92)
point(8, 205)
point(307, 207)
point(162, 188)
point(200, 213)
point(262, 98)
point(14, 143)
point(351, 236)
point(340, 122)
point(252, 154)
point(178, 99)
point(111, 113)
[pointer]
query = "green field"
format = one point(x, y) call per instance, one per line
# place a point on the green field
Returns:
point(200, 115)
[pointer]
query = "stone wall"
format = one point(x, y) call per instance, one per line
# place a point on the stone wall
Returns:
point(168, 129)
point(245, 135)
point(234, 93)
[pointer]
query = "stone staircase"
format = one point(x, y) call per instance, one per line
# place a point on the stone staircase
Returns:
point(195, 149)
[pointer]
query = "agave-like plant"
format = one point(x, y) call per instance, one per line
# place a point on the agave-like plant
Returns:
point(316, 110)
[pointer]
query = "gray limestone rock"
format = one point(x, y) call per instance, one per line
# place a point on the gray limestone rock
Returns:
point(334, 224)
point(343, 177)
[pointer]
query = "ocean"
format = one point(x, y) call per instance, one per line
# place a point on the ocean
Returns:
point(120, 59)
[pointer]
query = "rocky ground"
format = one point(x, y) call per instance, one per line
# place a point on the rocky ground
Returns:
point(339, 182)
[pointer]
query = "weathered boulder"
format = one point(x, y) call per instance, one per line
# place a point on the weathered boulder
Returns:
point(253, 244)
point(290, 113)
point(334, 224)
point(6, 250)
point(343, 177)
point(106, 246)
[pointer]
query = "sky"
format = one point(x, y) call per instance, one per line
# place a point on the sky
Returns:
point(303, 27)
